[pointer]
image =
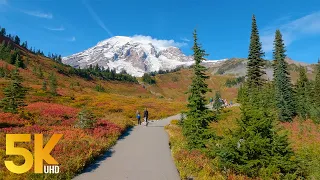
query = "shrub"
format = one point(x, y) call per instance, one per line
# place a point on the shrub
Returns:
point(148, 79)
point(99, 88)
point(86, 119)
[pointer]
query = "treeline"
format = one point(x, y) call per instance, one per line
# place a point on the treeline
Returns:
point(147, 78)
point(150, 77)
point(16, 39)
point(12, 55)
point(166, 71)
point(256, 148)
point(99, 72)
point(234, 82)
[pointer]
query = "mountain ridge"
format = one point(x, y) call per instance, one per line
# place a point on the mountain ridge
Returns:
point(136, 55)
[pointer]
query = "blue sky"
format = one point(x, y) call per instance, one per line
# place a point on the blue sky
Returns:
point(70, 26)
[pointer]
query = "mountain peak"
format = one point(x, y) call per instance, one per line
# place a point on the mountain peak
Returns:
point(137, 55)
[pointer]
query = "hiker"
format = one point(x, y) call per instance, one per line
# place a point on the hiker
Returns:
point(211, 101)
point(226, 102)
point(230, 102)
point(145, 115)
point(138, 117)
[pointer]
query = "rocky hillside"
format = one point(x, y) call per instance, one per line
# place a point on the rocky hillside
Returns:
point(238, 67)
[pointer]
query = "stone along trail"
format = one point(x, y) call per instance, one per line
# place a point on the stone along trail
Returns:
point(142, 154)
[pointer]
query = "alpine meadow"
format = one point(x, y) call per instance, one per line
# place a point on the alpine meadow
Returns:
point(138, 107)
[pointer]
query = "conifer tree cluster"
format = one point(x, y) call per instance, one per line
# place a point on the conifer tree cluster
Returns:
point(256, 148)
point(11, 55)
point(317, 86)
point(14, 94)
point(147, 78)
point(198, 116)
point(315, 96)
point(99, 72)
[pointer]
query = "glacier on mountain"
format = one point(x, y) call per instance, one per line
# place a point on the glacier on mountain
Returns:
point(136, 55)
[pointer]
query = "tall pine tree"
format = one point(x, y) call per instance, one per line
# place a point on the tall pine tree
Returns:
point(198, 116)
point(217, 105)
point(316, 89)
point(14, 94)
point(315, 96)
point(282, 83)
point(255, 62)
point(19, 62)
point(53, 84)
point(303, 94)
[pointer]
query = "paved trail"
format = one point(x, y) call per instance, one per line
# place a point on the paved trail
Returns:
point(142, 154)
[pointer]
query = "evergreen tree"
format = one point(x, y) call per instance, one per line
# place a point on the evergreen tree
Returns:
point(53, 84)
point(3, 32)
point(256, 148)
point(13, 58)
point(302, 94)
point(148, 79)
point(19, 62)
point(217, 105)
point(198, 116)
point(14, 94)
point(315, 106)
point(283, 88)
point(255, 62)
point(17, 40)
point(40, 73)
point(316, 89)
point(59, 59)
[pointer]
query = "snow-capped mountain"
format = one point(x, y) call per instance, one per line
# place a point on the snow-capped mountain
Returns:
point(136, 55)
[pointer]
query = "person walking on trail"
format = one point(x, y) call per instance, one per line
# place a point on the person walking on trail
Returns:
point(138, 117)
point(211, 101)
point(146, 115)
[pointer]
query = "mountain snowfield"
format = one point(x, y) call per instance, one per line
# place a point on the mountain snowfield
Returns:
point(136, 55)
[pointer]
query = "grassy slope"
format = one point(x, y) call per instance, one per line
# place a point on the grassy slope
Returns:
point(49, 114)
point(174, 85)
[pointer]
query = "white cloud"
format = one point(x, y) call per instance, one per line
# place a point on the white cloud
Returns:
point(292, 30)
point(39, 14)
point(96, 18)
point(185, 39)
point(157, 42)
point(61, 28)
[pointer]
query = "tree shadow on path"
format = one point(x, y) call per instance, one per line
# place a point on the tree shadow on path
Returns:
point(96, 163)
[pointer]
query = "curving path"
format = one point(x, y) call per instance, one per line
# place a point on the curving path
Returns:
point(143, 153)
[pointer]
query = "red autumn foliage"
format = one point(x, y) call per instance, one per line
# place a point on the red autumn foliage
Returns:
point(8, 119)
point(52, 110)
point(104, 129)
point(35, 129)
point(303, 133)
point(52, 114)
